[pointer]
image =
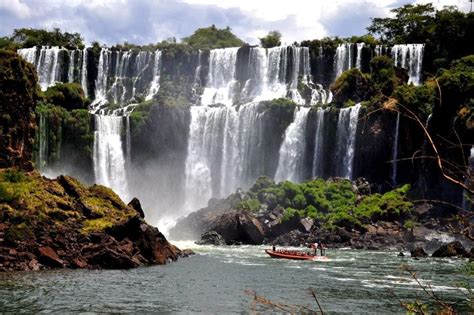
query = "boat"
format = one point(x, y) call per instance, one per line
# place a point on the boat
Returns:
point(295, 255)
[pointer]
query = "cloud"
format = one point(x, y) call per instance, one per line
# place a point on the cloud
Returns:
point(147, 21)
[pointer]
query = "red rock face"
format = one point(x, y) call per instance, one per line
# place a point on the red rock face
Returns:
point(18, 98)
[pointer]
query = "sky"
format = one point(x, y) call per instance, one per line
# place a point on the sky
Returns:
point(150, 21)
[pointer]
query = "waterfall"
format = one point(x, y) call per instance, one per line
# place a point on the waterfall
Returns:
point(360, 46)
point(46, 64)
point(222, 148)
point(346, 139)
point(70, 72)
point(379, 50)
point(393, 175)
point(318, 144)
point(292, 150)
point(108, 155)
point(221, 78)
point(409, 57)
point(155, 83)
point(42, 159)
point(84, 71)
point(343, 58)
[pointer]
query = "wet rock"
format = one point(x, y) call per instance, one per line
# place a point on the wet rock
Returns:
point(187, 252)
point(418, 252)
point(111, 259)
point(239, 227)
point(47, 256)
point(135, 204)
point(453, 249)
point(211, 238)
point(34, 265)
point(79, 263)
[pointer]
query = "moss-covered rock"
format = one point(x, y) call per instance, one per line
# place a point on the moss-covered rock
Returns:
point(84, 226)
point(18, 98)
point(352, 87)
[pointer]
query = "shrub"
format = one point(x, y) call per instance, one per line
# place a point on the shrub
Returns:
point(271, 40)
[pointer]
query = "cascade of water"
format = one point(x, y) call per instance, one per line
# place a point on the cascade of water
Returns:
point(393, 175)
point(292, 150)
point(155, 83)
point(221, 78)
point(70, 72)
point(343, 58)
point(46, 64)
point(346, 139)
point(108, 155)
point(409, 57)
point(319, 144)
point(43, 142)
point(84, 71)
point(379, 50)
point(222, 148)
point(102, 71)
point(360, 46)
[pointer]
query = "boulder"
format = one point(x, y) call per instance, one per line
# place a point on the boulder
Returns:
point(453, 249)
point(111, 259)
point(211, 238)
point(135, 204)
point(239, 227)
point(418, 252)
point(48, 257)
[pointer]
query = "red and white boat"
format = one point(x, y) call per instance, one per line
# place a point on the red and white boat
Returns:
point(295, 255)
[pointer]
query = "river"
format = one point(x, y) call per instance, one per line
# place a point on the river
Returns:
point(216, 278)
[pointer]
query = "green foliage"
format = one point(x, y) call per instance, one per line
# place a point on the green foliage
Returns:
point(457, 83)
point(334, 202)
point(272, 39)
point(383, 74)
point(8, 44)
point(13, 185)
point(29, 37)
point(212, 37)
point(67, 95)
point(408, 26)
point(252, 205)
point(419, 99)
point(352, 85)
point(445, 32)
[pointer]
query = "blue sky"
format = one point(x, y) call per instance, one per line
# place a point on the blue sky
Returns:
point(149, 21)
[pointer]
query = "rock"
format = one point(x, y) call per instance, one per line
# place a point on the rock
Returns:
point(18, 96)
point(12, 252)
point(111, 259)
point(34, 265)
point(418, 252)
point(292, 238)
point(211, 238)
point(187, 252)
point(47, 256)
point(453, 249)
point(79, 263)
point(135, 204)
point(401, 254)
point(239, 227)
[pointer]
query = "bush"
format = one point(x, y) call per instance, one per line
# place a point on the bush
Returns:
point(383, 74)
point(66, 95)
point(352, 85)
point(271, 40)
point(212, 37)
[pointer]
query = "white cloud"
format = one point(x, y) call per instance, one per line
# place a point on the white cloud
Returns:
point(146, 21)
point(15, 7)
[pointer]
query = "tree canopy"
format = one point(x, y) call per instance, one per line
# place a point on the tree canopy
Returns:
point(213, 37)
point(273, 39)
point(29, 37)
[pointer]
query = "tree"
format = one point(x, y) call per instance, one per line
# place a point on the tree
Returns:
point(409, 25)
point(271, 40)
point(30, 37)
point(212, 37)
